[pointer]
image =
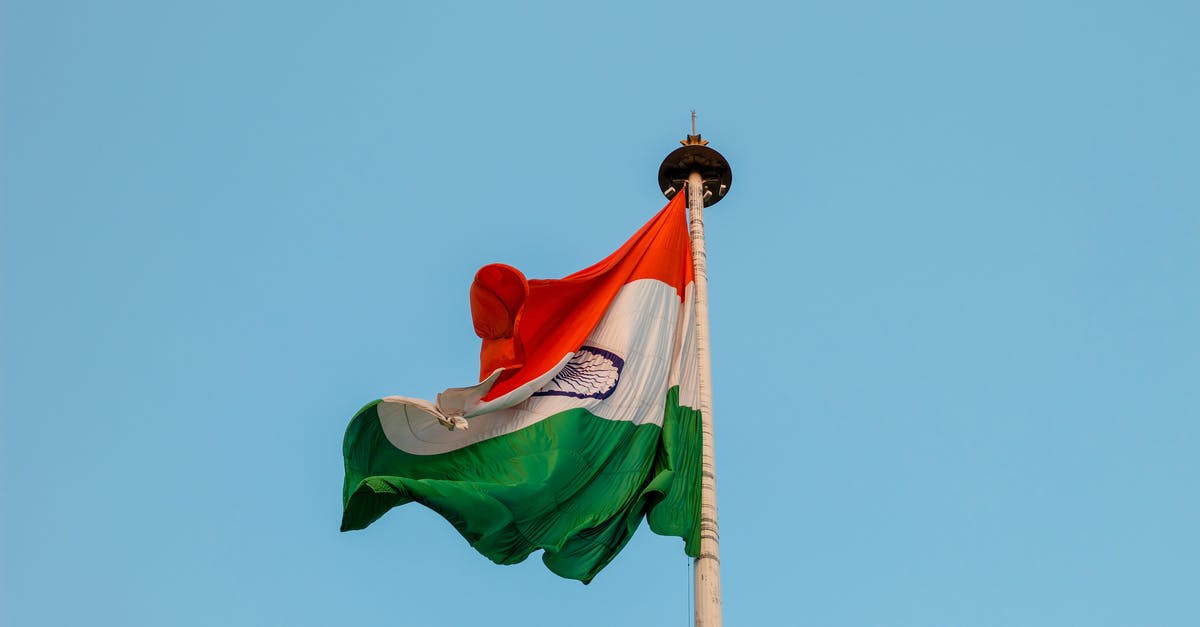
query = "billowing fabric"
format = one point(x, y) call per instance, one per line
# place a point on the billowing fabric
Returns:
point(582, 424)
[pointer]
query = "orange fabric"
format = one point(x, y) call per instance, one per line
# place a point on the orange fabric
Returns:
point(528, 326)
point(497, 300)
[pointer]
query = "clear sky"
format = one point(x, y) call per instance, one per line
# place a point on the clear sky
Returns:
point(955, 299)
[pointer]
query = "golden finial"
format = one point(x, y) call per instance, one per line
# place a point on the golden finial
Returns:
point(694, 139)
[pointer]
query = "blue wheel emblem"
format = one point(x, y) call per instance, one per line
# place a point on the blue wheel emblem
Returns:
point(591, 373)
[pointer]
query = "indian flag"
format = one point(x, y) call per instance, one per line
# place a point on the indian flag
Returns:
point(583, 422)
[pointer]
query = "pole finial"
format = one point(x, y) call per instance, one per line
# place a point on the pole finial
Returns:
point(694, 139)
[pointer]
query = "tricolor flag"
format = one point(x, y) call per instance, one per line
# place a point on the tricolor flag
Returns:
point(583, 422)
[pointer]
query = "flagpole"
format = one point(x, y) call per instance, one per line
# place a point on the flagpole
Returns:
point(706, 176)
point(707, 569)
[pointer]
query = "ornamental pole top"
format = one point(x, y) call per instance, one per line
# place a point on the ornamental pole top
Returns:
point(694, 139)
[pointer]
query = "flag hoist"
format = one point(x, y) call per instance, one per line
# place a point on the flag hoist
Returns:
point(706, 176)
point(592, 411)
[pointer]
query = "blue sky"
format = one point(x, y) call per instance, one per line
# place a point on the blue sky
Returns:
point(955, 299)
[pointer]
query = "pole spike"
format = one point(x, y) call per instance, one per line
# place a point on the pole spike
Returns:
point(694, 139)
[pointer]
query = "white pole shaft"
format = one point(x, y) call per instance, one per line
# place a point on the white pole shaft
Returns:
point(707, 571)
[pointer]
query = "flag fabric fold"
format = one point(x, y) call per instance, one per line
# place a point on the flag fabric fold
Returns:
point(583, 422)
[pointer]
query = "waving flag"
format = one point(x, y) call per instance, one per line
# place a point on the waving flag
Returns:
point(583, 422)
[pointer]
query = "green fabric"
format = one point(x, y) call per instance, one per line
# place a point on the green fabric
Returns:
point(574, 485)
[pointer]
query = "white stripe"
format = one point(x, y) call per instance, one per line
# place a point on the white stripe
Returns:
point(688, 378)
point(643, 325)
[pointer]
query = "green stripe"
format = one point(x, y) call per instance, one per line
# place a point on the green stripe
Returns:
point(574, 484)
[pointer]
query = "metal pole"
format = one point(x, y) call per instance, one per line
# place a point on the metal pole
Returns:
point(707, 577)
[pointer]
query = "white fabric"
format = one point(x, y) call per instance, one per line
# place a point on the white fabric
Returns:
point(459, 401)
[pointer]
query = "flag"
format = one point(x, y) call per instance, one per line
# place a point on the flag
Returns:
point(584, 421)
